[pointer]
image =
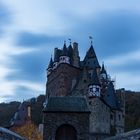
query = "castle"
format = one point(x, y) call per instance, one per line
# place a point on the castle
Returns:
point(81, 101)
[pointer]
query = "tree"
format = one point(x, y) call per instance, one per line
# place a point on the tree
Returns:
point(28, 131)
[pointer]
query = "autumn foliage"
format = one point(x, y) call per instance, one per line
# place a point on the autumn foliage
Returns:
point(28, 131)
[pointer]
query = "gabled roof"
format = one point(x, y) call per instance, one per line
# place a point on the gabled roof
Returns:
point(66, 104)
point(94, 78)
point(90, 59)
point(110, 98)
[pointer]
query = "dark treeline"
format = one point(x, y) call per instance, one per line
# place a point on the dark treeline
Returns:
point(132, 119)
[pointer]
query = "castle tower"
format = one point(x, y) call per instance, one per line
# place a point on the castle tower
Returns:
point(57, 53)
point(76, 58)
point(103, 73)
point(65, 71)
point(100, 112)
point(104, 80)
point(94, 89)
point(91, 61)
point(64, 58)
point(70, 79)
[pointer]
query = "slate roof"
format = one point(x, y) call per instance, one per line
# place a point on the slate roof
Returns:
point(65, 50)
point(90, 59)
point(103, 70)
point(66, 104)
point(50, 63)
point(111, 98)
point(94, 78)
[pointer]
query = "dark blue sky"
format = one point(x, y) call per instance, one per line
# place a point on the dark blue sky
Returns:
point(30, 30)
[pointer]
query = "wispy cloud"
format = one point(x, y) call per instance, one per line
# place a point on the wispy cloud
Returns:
point(35, 28)
point(124, 59)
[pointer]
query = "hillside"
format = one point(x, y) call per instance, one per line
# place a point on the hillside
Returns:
point(132, 119)
point(132, 110)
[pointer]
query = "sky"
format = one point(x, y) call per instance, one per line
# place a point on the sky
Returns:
point(31, 29)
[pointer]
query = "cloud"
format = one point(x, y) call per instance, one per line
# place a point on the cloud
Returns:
point(5, 18)
point(113, 33)
point(115, 27)
point(23, 90)
point(127, 80)
point(28, 39)
point(123, 59)
point(30, 66)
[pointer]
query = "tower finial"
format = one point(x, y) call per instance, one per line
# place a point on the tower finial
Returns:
point(91, 40)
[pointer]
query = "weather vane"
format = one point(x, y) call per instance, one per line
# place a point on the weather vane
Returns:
point(91, 39)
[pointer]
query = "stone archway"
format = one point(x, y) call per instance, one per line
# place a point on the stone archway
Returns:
point(66, 132)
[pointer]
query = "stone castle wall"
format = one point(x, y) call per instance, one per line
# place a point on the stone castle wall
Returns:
point(60, 80)
point(80, 121)
point(99, 117)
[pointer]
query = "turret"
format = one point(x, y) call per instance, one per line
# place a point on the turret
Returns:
point(91, 61)
point(70, 53)
point(76, 58)
point(110, 97)
point(50, 66)
point(94, 87)
point(103, 73)
point(64, 58)
point(57, 53)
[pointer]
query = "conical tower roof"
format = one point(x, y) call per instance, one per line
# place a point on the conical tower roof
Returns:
point(110, 97)
point(90, 59)
point(65, 50)
point(103, 69)
point(50, 63)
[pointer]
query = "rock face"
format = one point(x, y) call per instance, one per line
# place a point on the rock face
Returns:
point(131, 135)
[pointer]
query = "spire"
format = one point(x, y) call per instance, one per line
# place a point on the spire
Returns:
point(110, 97)
point(70, 49)
point(65, 51)
point(90, 59)
point(103, 69)
point(90, 53)
point(95, 79)
point(50, 63)
point(70, 52)
point(76, 58)
point(57, 53)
